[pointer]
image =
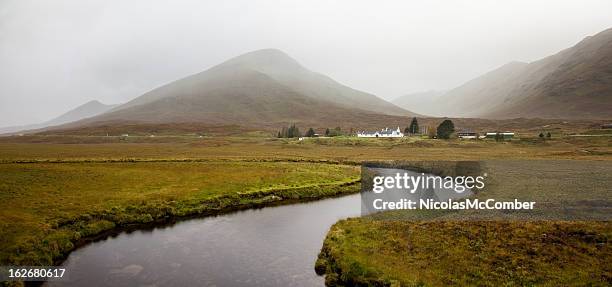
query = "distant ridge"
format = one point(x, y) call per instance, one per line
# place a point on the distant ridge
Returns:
point(264, 88)
point(575, 83)
point(89, 109)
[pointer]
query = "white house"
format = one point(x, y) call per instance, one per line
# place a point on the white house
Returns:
point(384, 133)
point(467, 135)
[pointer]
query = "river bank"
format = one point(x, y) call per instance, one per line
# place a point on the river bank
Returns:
point(64, 206)
point(271, 246)
point(215, 207)
point(362, 252)
point(45, 185)
point(564, 242)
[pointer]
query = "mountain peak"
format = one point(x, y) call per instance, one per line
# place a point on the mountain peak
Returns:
point(265, 60)
point(573, 83)
point(93, 103)
point(269, 52)
point(262, 88)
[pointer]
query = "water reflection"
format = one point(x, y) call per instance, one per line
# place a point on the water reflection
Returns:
point(274, 246)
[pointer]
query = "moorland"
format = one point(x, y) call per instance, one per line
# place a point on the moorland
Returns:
point(60, 191)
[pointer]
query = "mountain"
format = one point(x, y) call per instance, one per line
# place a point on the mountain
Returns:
point(89, 109)
point(423, 102)
point(478, 96)
point(264, 88)
point(575, 83)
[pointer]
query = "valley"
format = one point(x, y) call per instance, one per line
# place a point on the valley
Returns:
point(114, 184)
point(250, 143)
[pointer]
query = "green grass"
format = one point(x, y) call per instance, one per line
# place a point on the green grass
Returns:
point(467, 253)
point(45, 148)
point(75, 187)
point(551, 246)
point(45, 208)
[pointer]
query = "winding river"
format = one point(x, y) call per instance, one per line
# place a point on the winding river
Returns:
point(273, 246)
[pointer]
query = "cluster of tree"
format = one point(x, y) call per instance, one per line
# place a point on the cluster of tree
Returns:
point(413, 128)
point(334, 132)
point(445, 129)
point(310, 133)
point(291, 132)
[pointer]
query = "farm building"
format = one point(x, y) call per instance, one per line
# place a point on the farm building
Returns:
point(384, 133)
point(467, 135)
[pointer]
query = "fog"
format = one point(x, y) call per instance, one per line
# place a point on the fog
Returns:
point(56, 55)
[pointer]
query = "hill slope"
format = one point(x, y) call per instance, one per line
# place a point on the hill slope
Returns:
point(264, 88)
point(423, 102)
point(89, 109)
point(574, 83)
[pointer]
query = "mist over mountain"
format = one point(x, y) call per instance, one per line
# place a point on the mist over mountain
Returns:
point(263, 88)
point(268, 89)
point(423, 102)
point(89, 109)
point(575, 83)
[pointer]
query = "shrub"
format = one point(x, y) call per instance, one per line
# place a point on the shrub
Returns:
point(445, 129)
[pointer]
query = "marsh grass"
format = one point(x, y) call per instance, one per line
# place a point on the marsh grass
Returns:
point(45, 208)
point(29, 148)
point(57, 190)
point(466, 253)
point(557, 245)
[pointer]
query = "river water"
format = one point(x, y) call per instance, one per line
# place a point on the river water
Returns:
point(273, 246)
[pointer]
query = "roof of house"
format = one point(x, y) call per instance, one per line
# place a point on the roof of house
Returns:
point(501, 133)
point(385, 131)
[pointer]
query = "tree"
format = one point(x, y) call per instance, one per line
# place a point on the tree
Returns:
point(499, 136)
point(413, 128)
point(310, 133)
point(541, 135)
point(337, 131)
point(284, 132)
point(291, 132)
point(445, 129)
point(548, 135)
point(432, 133)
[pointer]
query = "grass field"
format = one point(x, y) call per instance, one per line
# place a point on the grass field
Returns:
point(565, 241)
point(257, 148)
point(57, 190)
point(467, 253)
point(46, 207)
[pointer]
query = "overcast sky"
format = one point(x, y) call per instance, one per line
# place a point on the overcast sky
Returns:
point(56, 55)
